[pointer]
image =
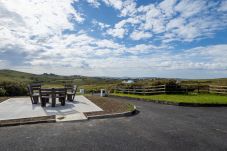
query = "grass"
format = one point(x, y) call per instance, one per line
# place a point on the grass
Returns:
point(191, 98)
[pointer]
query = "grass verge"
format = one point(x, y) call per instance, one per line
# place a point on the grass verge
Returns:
point(109, 105)
point(191, 98)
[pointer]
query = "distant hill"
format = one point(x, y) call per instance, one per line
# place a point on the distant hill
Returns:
point(53, 79)
point(23, 77)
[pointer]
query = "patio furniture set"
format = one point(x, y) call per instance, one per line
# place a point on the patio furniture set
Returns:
point(36, 92)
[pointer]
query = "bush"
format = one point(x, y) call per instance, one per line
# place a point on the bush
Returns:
point(14, 89)
point(2, 92)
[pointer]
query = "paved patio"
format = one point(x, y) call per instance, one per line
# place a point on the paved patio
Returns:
point(16, 108)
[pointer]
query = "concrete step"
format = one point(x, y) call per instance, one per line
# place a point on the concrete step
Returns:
point(71, 117)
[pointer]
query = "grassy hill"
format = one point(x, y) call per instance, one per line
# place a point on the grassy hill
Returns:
point(15, 82)
point(51, 79)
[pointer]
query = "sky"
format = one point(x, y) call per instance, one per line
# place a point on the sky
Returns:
point(115, 38)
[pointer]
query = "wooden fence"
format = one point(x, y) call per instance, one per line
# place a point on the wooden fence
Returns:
point(172, 89)
point(142, 90)
point(159, 89)
point(218, 89)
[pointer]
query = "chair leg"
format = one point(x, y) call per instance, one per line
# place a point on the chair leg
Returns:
point(43, 102)
point(53, 102)
point(73, 97)
point(63, 101)
point(35, 99)
point(70, 97)
point(32, 99)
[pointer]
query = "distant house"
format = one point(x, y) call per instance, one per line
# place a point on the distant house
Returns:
point(127, 81)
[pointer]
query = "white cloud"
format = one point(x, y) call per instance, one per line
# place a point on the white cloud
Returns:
point(126, 7)
point(129, 8)
point(168, 7)
point(144, 48)
point(100, 24)
point(117, 32)
point(27, 23)
point(94, 3)
point(175, 23)
point(188, 8)
point(172, 20)
point(117, 4)
point(138, 35)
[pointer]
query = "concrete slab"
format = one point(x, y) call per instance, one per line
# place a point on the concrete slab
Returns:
point(16, 108)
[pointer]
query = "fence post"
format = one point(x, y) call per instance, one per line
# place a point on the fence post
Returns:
point(208, 88)
point(165, 88)
point(198, 88)
point(186, 90)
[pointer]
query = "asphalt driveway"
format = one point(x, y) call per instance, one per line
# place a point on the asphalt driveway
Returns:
point(156, 127)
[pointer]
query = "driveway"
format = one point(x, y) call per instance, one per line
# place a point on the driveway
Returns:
point(156, 127)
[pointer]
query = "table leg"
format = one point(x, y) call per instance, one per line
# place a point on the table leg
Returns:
point(53, 102)
point(43, 102)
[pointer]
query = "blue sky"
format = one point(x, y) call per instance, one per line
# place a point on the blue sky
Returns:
point(134, 38)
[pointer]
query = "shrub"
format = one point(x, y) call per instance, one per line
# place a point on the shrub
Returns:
point(14, 89)
point(2, 92)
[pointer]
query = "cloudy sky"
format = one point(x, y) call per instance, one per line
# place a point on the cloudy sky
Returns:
point(169, 38)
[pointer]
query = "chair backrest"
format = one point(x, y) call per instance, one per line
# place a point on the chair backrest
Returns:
point(45, 92)
point(34, 87)
point(59, 91)
point(71, 88)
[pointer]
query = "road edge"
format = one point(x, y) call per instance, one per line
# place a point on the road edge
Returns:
point(113, 115)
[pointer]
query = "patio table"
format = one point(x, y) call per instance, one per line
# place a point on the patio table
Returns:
point(53, 94)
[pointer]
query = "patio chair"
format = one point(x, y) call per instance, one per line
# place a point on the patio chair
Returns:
point(45, 95)
point(33, 90)
point(60, 93)
point(71, 92)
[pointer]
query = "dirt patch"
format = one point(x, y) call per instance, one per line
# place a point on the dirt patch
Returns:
point(3, 99)
point(109, 105)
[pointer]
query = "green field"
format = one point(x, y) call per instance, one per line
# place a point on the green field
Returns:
point(191, 98)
